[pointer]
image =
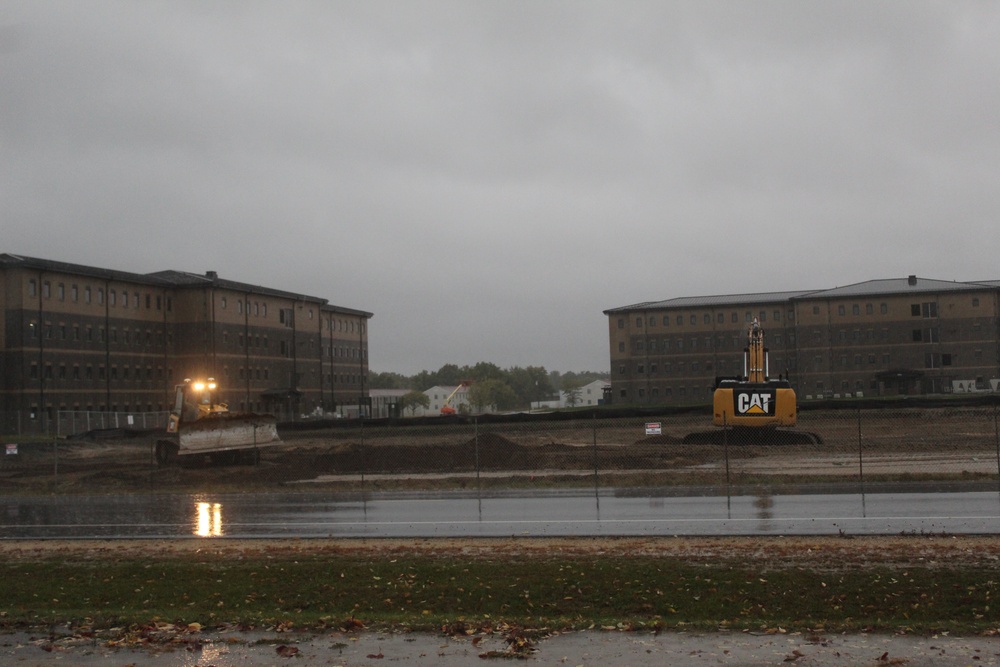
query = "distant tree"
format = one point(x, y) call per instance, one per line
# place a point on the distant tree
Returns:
point(492, 394)
point(531, 384)
point(388, 381)
point(414, 400)
point(448, 375)
point(572, 391)
point(423, 381)
point(485, 370)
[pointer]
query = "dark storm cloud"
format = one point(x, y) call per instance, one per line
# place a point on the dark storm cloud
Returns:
point(488, 177)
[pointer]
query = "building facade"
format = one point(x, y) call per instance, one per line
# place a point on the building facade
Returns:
point(84, 338)
point(877, 338)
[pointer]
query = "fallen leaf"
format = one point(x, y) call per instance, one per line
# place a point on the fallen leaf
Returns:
point(286, 651)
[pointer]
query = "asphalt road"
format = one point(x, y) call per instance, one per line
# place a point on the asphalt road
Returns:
point(589, 648)
point(539, 515)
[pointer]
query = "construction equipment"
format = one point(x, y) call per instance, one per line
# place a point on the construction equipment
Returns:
point(752, 406)
point(446, 409)
point(200, 425)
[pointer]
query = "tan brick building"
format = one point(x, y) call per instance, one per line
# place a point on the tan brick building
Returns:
point(85, 338)
point(881, 337)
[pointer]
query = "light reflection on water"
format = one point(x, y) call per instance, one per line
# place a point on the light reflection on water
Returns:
point(208, 519)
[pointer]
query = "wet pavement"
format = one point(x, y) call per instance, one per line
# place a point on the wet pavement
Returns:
point(607, 648)
point(549, 514)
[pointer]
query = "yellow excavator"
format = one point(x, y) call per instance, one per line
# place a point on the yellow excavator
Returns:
point(752, 407)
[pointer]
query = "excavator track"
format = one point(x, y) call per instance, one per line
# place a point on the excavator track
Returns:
point(752, 437)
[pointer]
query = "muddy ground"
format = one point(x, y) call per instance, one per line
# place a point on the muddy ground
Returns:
point(895, 446)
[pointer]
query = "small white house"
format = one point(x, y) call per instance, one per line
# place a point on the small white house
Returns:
point(589, 394)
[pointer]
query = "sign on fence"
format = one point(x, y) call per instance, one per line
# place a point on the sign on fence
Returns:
point(654, 428)
point(11, 448)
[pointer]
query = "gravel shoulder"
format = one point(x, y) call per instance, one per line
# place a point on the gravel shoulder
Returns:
point(821, 552)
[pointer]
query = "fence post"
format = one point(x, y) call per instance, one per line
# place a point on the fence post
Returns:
point(861, 457)
point(593, 422)
point(362, 446)
point(996, 440)
point(725, 450)
point(475, 446)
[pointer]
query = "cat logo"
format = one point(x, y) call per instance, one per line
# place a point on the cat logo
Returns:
point(754, 402)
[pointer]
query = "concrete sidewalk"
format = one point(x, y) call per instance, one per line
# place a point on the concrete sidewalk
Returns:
point(588, 649)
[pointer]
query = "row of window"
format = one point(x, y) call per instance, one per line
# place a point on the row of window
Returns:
point(99, 372)
point(720, 318)
point(722, 366)
point(135, 299)
point(137, 337)
point(927, 309)
point(138, 373)
point(926, 335)
point(721, 342)
point(127, 299)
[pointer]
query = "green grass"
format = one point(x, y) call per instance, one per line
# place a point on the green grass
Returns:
point(427, 591)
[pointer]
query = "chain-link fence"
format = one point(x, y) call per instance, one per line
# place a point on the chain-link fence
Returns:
point(839, 448)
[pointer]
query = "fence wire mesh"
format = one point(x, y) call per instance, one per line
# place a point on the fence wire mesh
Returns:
point(932, 447)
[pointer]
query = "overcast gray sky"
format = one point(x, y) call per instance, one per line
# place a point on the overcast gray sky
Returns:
point(488, 177)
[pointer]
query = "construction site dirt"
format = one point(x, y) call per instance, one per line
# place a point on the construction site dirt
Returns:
point(903, 445)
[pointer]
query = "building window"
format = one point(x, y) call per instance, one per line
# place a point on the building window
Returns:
point(815, 310)
point(736, 318)
point(975, 302)
point(841, 310)
point(856, 309)
point(680, 320)
point(638, 322)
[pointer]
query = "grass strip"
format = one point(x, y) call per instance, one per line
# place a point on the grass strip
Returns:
point(559, 591)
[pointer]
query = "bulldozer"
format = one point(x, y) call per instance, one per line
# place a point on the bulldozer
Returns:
point(753, 408)
point(200, 425)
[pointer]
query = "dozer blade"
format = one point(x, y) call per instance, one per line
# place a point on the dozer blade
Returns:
point(231, 431)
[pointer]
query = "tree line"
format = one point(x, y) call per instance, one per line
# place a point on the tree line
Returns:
point(512, 388)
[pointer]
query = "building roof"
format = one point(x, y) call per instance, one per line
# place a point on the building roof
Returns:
point(168, 278)
point(887, 287)
point(707, 301)
point(896, 286)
